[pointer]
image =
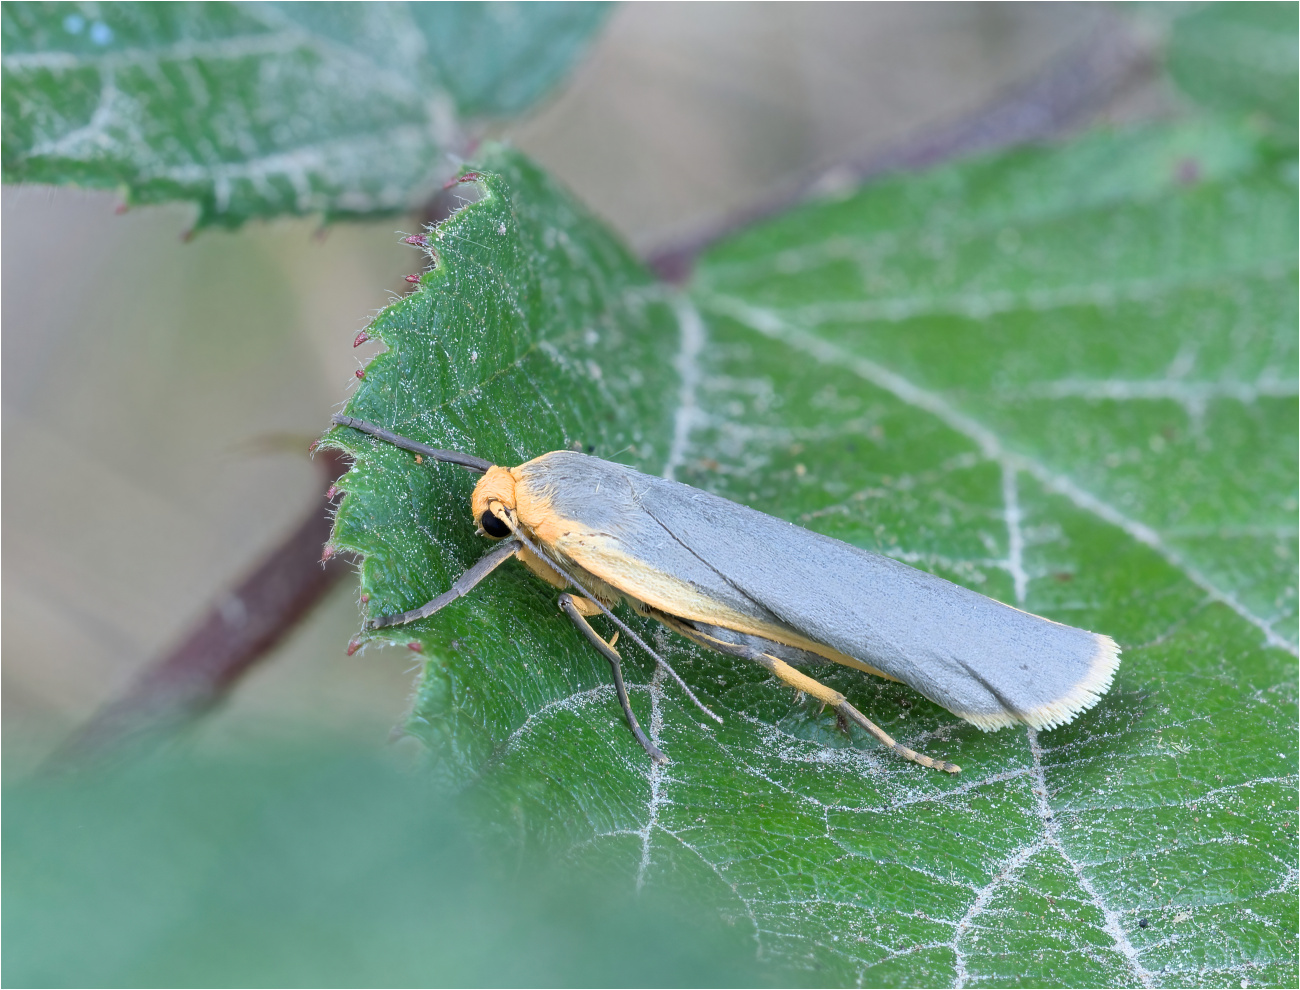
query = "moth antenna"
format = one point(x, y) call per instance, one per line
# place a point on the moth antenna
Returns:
point(469, 461)
point(612, 617)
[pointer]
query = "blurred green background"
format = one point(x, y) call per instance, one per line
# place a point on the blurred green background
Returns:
point(295, 868)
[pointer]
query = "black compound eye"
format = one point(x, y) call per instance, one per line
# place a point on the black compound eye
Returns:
point(493, 526)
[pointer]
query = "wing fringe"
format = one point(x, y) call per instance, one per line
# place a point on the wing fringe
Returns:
point(1061, 711)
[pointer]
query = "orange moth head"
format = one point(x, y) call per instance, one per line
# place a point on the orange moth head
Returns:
point(494, 492)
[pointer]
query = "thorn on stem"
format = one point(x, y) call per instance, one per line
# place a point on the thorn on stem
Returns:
point(311, 447)
point(416, 240)
point(413, 278)
point(327, 553)
point(330, 492)
point(361, 373)
point(415, 647)
point(360, 339)
point(365, 598)
point(354, 644)
point(467, 177)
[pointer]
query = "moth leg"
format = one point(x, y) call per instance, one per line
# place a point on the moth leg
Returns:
point(800, 681)
point(461, 586)
point(577, 609)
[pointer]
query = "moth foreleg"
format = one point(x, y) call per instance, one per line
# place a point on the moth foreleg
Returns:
point(461, 586)
point(578, 609)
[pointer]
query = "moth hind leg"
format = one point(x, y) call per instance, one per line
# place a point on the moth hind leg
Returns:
point(800, 681)
point(846, 712)
point(577, 609)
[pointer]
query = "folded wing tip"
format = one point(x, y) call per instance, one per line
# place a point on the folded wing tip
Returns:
point(1084, 694)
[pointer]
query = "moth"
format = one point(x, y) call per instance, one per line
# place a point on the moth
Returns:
point(747, 584)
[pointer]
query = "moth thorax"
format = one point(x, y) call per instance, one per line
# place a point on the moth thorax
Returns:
point(497, 485)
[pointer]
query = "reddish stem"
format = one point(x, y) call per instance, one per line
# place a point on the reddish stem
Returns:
point(238, 631)
point(1077, 83)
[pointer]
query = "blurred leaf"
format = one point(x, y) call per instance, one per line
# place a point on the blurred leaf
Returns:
point(1062, 377)
point(315, 869)
point(500, 58)
point(262, 109)
point(1240, 57)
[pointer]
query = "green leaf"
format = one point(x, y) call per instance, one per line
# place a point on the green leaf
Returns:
point(1063, 377)
point(1240, 57)
point(251, 110)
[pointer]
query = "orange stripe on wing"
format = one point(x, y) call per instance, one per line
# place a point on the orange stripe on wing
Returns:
point(602, 557)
